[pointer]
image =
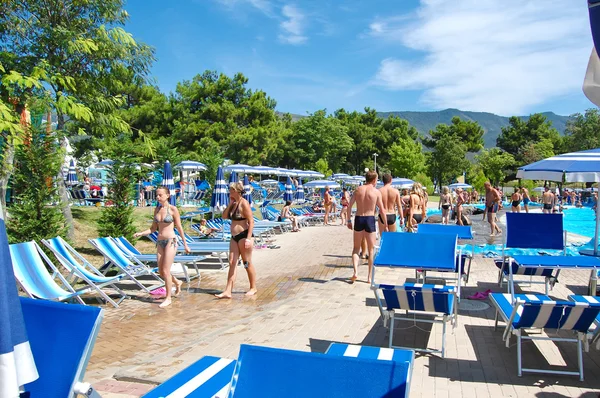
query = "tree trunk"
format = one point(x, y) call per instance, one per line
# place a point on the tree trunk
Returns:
point(62, 188)
point(7, 167)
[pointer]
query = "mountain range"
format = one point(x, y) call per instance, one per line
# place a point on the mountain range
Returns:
point(491, 123)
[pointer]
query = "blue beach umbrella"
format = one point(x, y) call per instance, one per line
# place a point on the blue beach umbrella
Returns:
point(288, 194)
point(17, 366)
point(300, 192)
point(233, 177)
point(72, 174)
point(247, 190)
point(461, 185)
point(167, 181)
point(220, 196)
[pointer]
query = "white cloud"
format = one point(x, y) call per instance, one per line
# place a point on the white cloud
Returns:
point(504, 57)
point(264, 6)
point(293, 26)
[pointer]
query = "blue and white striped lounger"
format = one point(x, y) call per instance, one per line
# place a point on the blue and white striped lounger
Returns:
point(379, 353)
point(207, 378)
point(527, 311)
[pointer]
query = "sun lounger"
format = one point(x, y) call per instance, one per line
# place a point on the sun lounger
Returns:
point(463, 232)
point(62, 337)
point(131, 267)
point(29, 266)
point(183, 259)
point(531, 311)
point(207, 377)
point(594, 300)
point(79, 268)
point(220, 247)
point(530, 231)
point(403, 356)
point(272, 372)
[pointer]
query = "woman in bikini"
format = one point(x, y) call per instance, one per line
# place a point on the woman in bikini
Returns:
point(241, 243)
point(286, 214)
point(445, 205)
point(344, 202)
point(417, 211)
point(460, 200)
point(405, 201)
point(166, 219)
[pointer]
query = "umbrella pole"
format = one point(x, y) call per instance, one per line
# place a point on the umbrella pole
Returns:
point(594, 276)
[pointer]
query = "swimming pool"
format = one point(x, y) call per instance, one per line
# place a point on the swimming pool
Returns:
point(579, 221)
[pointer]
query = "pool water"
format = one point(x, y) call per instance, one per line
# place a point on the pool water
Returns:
point(579, 221)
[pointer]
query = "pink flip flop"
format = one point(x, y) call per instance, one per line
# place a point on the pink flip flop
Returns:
point(161, 291)
point(478, 296)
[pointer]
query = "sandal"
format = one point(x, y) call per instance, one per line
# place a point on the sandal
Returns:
point(477, 296)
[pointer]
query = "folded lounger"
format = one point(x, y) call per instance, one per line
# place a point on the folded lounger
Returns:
point(132, 268)
point(80, 268)
point(130, 251)
point(29, 266)
point(530, 231)
point(62, 337)
point(537, 311)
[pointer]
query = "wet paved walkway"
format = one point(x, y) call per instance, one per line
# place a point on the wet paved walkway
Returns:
point(305, 302)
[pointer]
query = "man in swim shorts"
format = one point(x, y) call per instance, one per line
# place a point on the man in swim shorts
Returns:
point(548, 201)
point(492, 200)
point(526, 199)
point(390, 197)
point(366, 198)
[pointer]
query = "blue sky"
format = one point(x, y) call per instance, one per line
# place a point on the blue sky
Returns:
point(510, 57)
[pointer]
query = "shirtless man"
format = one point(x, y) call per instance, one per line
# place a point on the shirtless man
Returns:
point(327, 204)
point(526, 199)
point(390, 197)
point(492, 200)
point(548, 201)
point(366, 197)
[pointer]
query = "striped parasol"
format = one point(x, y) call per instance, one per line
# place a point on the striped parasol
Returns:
point(247, 190)
point(17, 366)
point(167, 181)
point(300, 192)
point(71, 175)
point(288, 195)
point(233, 177)
point(220, 196)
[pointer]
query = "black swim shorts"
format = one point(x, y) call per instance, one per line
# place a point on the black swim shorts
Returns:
point(364, 223)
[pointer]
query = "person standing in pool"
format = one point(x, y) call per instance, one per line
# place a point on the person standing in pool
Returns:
point(516, 201)
point(390, 197)
point(445, 204)
point(526, 199)
point(242, 241)
point(166, 219)
point(366, 198)
point(492, 200)
point(547, 201)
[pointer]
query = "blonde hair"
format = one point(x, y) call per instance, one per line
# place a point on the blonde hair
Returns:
point(237, 186)
point(167, 190)
point(418, 189)
point(445, 190)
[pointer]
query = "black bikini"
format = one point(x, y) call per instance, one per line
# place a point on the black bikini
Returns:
point(391, 219)
point(237, 216)
point(364, 223)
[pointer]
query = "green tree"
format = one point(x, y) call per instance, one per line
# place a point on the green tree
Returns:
point(117, 216)
point(86, 55)
point(534, 151)
point(322, 167)
point(318, 137)
point(476, 177)
point(447, 160)
point(519, 133)
point(33, 215)
point(470, 133)
point(583, 131)
point(407, 158)
point(495, 164)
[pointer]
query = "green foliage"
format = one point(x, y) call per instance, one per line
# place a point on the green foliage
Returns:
point(470, 133)
point(534, 151)
point(407, 159)
point(476, 177)
point(583, 131)
point(322, 167)
point(516, 139)
point(447, 160)
point(495, 164)
point(425, 181)
point(34, 215)
point(117, 214)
